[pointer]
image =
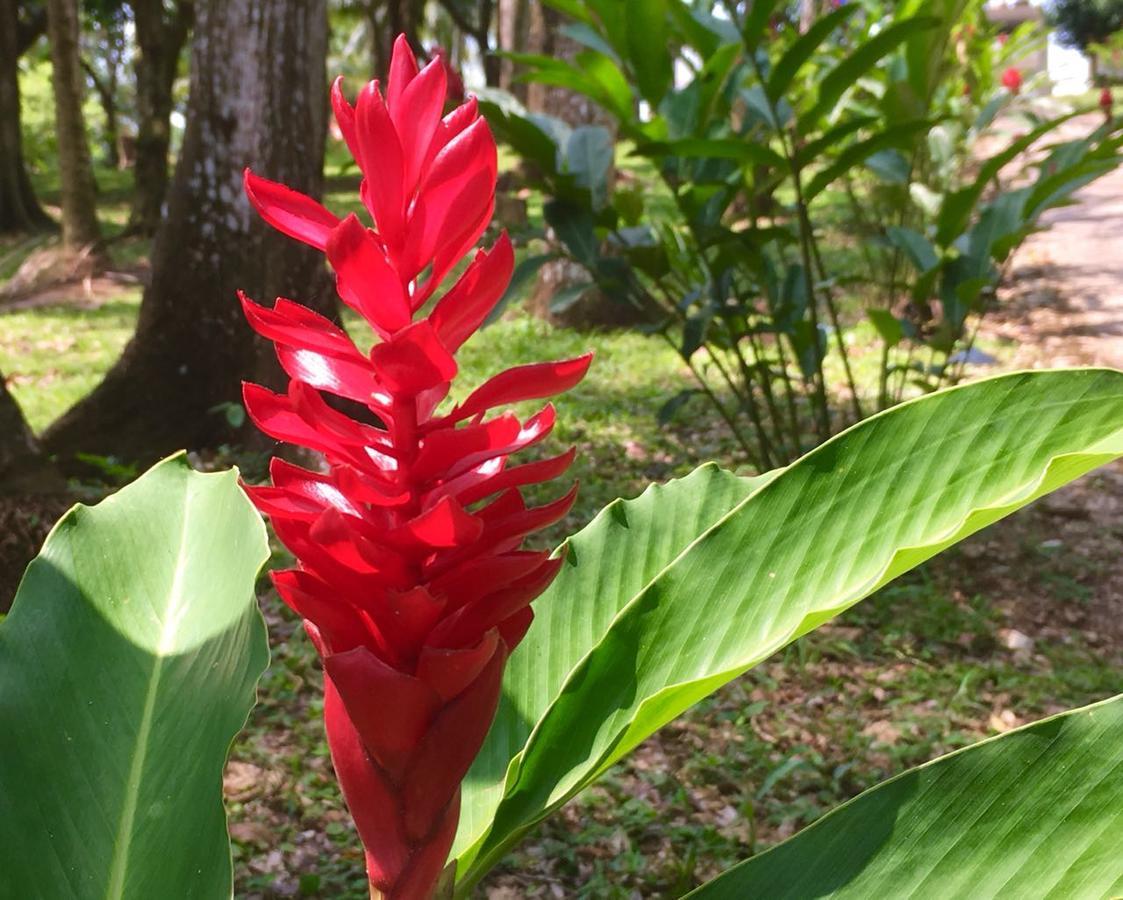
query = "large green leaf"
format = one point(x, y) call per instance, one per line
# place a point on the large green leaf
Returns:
point(863, 58)
point(651, 530)
point(657, 607)
point(899, 135)
point(127, 665)
point(802, 48)
point(713, 148)
point(647, 47)
point(1031, 814)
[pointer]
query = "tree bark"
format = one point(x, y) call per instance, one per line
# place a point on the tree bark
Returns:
point(594, 310)
point(106, 89)
point(514, 37)
point(387, 19)
point(159, 40)
point(19, 209)
point(76, 175)
point(22, 465)
point(258, 98)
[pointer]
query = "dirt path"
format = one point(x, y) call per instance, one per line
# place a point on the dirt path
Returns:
point(1067, 303)
point(1063, 306)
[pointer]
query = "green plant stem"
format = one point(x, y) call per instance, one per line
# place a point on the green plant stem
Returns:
point(747, 398)
point(748, 401)
point(828, 298)
point(789, 387)
point(887, 294)
point(752, 457)
point(822, 413)
point(784, 452)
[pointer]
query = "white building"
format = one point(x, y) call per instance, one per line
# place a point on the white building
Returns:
point(1069, 70)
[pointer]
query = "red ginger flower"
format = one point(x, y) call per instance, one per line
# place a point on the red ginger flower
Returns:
point(1012, 79)
point(411, 580)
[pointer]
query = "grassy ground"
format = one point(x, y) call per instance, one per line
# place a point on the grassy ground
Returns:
point(929, 664)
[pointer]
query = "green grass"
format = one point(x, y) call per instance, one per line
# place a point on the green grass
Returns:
point(53, 356)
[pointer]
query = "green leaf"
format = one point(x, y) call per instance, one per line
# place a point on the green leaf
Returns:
point(653, 528)
point(588, 157)
point(665, 598)
point(890, 166)
point(856, 153)
point(575, 9)
point(574, 227)
point(756, 22)
point(1034, 813)
point(915, 246)
point(864, 58)
point(888, 326)
point(788, 66)
point(569, 295)
point(812, 150)
point(592, 74)
point(957, 207)
point(647, 47)
point(524, 136)
point(587, 36)
point(128, 663)
point(612, 89)
point(701, 30)
point(672, 407)
point(524, 271)
point(743, 151)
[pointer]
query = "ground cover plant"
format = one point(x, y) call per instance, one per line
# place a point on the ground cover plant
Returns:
point(655, 604)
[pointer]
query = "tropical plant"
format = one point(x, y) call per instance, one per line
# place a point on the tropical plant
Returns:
point(134, 643)
point(413, 601)
point(799, 182)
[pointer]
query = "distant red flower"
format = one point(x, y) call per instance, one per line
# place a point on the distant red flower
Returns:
point(411, 579)
point(1106, 102)
point(1012, 80)
point(452, 75)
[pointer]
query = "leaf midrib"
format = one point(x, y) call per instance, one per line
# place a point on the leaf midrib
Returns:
point(174, 611)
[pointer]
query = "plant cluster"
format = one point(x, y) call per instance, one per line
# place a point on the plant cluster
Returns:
point(135, 643)
point(799, 184)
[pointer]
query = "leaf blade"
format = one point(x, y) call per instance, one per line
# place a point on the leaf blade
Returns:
point(134, 639)
point(757, 579)
point(1023, 798)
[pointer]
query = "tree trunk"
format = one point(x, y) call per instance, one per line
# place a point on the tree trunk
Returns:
point(76, 175)
point(514, 37)
point(594, 309)
point(22, 466)
point(19, 210)
point(386, 19)
point(159, 38)
point(106, 90)
point(258, 98)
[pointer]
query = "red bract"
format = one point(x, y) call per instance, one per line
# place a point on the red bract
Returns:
point(1012, 79)
point(411, 577)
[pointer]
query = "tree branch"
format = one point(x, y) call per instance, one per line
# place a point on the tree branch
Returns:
point(30, 28)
